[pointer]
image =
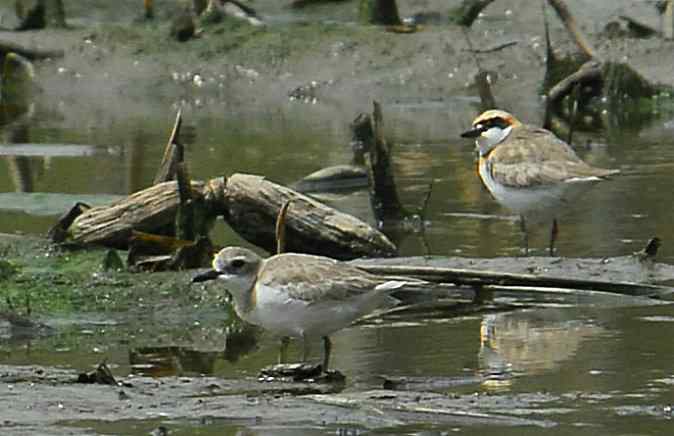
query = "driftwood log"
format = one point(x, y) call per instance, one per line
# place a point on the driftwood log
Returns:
point(252, 204)
point(149, 210)
point(249, 203)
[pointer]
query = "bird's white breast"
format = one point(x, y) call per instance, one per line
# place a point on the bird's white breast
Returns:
point(536, 202)
point(277, 312)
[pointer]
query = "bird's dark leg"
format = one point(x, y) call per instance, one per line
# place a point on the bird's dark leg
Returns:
point(554, 231)
point(283, 351)
point(327, 348)
point(525, 235)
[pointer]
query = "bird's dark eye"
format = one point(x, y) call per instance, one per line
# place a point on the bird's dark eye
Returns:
point(238, 263)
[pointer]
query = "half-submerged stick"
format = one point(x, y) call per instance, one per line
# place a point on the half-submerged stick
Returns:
point(281, 227)
point(174, 153)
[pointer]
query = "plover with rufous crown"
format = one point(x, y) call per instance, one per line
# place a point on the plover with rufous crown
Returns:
point(528, 169)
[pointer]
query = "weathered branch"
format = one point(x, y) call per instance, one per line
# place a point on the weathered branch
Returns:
point(572, 27)
point(469, 10)
point(281, 228)
point(588, 72)
point(500, 280)
point(383, 193)
point(252, 204)
point(174, 153)
point(146, 211)
point(482, 81)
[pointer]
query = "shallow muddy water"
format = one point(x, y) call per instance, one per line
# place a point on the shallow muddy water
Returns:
point(560, 365)
point(591, 370)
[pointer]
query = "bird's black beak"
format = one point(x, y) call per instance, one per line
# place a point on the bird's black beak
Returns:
point(473, 133)
point(205, 276)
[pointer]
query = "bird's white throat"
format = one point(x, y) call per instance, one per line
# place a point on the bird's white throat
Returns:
point(239, 285)
point(491, 138)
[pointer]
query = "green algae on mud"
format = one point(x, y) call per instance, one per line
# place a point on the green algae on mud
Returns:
point(57, 280)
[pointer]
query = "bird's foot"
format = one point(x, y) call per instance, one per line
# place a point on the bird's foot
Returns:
point(300, 372)
point(331, 376)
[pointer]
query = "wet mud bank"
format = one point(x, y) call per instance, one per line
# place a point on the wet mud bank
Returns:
point(234, 63)
point(38, 397)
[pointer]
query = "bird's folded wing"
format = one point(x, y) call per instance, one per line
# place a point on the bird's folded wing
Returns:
point(322, 279)
point(533, 157)
point(532, 174)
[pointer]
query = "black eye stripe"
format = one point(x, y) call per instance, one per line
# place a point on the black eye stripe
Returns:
point(494, 122)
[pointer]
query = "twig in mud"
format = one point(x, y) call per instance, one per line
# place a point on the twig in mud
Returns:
point(469, 10)
point(650, 250)
point(281, 227)
point(589, 71)
point(496, 47)
point(471, 49)
point(572, 27)
point(101, 375)
point(174, 153)
point(482, 78)
point(469, 277)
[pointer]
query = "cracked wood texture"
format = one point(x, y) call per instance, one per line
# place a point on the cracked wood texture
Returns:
point(149, 210)
point(250, 205)
point(253, 203)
